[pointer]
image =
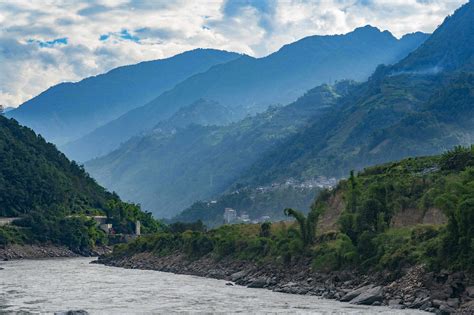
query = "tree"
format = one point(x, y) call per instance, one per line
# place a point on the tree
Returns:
point(2, 109)
point(307, 224)
point(265, 229)
point(352, 202)
point(457, 159)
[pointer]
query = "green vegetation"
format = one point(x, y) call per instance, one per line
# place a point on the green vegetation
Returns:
point(251, 201)
point(366, 235)
point(203, 161)
point(307, 225)
point(421, 106)
point(54, 197)
point(388, 118)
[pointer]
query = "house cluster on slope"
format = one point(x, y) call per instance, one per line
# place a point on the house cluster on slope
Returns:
point(231, 217)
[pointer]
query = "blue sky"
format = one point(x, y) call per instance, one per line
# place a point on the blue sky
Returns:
point(45, 42)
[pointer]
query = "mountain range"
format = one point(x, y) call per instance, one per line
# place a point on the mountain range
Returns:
point(70, 110)
point(203, 160)
point(421, 105)
point(249, 85)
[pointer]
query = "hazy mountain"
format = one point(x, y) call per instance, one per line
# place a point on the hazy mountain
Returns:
point(201, 112)
point(167, 171)
point(403, 110)
point(249, 85)
point(69, 110)
point(7, 109)
point(450, 47)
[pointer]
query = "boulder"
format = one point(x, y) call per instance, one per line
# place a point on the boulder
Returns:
point(394, 302)
point(369, 296)
point(453, 302)
point(257, 283)
point(238, 275)
point(467, 308)
point(446, 309)
point(442, 293)
point(427, 307)
point(355, 293)
point(470, 291)
point(419, 302)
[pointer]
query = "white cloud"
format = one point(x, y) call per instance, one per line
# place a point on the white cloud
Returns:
point(33, 55)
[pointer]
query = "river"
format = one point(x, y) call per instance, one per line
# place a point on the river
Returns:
point(56, 285)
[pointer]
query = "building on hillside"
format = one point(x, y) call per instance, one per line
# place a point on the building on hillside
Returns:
point(7, 220)
point(245, 218)
point(106, 227)
point(138, 226)
point(101, 221)
point(230, 215)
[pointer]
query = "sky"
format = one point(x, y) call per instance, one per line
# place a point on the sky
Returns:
point(45, 42)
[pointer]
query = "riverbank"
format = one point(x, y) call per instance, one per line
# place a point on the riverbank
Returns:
point(16, 251)
point(442, 293)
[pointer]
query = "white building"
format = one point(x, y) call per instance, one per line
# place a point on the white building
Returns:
point(245, 218)
point(230, 215)
point(138, 227)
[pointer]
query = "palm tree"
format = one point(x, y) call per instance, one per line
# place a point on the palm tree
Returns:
point(307, 224)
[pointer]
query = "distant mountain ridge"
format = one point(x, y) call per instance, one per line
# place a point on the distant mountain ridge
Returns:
point(250, 85)
point(167, 171)
point(449, 48)
point(402, 110)
point(70, 110)
point(201, 112)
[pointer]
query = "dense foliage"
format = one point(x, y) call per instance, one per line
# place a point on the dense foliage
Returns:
point(379, 193)
point(365, 236)
point(54, 197)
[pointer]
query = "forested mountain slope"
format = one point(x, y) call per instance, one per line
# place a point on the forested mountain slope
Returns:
point(402, 110)
point(249, 85)
point(52, 196)
point(167, 171)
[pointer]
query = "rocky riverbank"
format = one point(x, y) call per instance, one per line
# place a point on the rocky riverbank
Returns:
point(15, 251)
point(442, 293)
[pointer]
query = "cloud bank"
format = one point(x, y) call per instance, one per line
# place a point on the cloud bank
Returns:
point(45, 42)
